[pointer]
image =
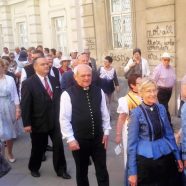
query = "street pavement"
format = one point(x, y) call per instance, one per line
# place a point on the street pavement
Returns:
point(20, 175)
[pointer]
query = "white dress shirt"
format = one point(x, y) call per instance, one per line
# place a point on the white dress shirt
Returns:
point(66, 114)
point(43, 80)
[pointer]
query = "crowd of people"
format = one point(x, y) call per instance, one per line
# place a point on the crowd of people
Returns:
point(50, 95)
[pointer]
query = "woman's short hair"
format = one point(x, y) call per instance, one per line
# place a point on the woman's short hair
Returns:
point(136, 50)
point(132, 79)
point(109, 58)
point(145, 83)
point(2, 64)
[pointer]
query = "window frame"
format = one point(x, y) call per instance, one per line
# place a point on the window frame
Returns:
point(122, 14)
point(22, 36)
point(61, 32)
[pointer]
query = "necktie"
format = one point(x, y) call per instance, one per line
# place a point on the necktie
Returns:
point(48, 89)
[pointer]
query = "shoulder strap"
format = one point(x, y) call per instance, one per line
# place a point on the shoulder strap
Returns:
point(146, 117)
point(132, 99)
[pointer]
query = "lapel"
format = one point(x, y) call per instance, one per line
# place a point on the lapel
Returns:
point(52, 84)
point(40, 86)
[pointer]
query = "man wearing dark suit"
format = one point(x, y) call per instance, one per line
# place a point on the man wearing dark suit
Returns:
point(40, 114)
point(27, 72)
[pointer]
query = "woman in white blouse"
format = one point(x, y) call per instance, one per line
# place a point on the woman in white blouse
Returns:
point(9, 110)
point(137, 65)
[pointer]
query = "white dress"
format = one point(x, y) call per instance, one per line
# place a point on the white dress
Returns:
point(123, 108)
point(8, 100)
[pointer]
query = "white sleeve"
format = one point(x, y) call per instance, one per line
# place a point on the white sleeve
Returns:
point(146, 67)
point(122, 106)
point(126, 68)
point(65, 117)
point(23, 77)
point(105, 115)
point(14, 95)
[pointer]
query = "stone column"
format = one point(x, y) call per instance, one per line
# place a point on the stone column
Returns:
point(34, 23)
point(88, 26)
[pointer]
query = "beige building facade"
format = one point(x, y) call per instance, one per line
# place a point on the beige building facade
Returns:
point(107, 27)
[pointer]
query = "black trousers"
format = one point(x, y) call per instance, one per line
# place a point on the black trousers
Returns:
point(39, 142)
point(159, 172)
point(164, 95)
point(95, 149)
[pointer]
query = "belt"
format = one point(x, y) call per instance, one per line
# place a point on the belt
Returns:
point(165, 88)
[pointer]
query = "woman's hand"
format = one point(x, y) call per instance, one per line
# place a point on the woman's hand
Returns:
point(180, 165)
point(133, 180)
point(18, 114)
point(117, 88)
point(118, 138)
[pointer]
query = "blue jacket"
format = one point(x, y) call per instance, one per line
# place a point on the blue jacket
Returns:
point(183, 122)
point(139, 142)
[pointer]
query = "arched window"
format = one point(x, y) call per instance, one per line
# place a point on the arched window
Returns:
point(122, 23)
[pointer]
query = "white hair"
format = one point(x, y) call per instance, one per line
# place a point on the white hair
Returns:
point(78, 67)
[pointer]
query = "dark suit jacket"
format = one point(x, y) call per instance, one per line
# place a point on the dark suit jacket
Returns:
point(67, 80)
point(38, 109)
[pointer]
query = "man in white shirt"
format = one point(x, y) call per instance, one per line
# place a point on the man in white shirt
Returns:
point(87, 134)
point(57, 60)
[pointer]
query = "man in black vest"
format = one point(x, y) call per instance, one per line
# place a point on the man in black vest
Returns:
point(85, 123)
point(40, 113)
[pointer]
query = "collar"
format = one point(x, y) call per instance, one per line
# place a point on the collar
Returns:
point(149, 107)
point(41, 77)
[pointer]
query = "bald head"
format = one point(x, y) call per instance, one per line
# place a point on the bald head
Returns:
point(83, 75)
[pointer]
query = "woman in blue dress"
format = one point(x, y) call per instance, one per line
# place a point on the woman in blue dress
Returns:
point(153, 156)
point(9, 110)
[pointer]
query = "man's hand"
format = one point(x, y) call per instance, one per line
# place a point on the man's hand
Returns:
point(105, 141)
point(133, 180)
point(73, 145)
point(28, 129)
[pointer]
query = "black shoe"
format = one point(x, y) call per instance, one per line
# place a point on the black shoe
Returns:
point(49, 148)
point(64, 175)
point(44, 157)
point(35, 174)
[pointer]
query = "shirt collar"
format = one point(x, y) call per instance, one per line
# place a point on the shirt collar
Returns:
point(41, 77)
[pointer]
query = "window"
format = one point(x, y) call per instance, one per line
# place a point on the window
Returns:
point(122, 23)
point(22, 34)
point(60, 29)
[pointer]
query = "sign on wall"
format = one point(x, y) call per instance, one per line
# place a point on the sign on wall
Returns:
point(160, 38)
